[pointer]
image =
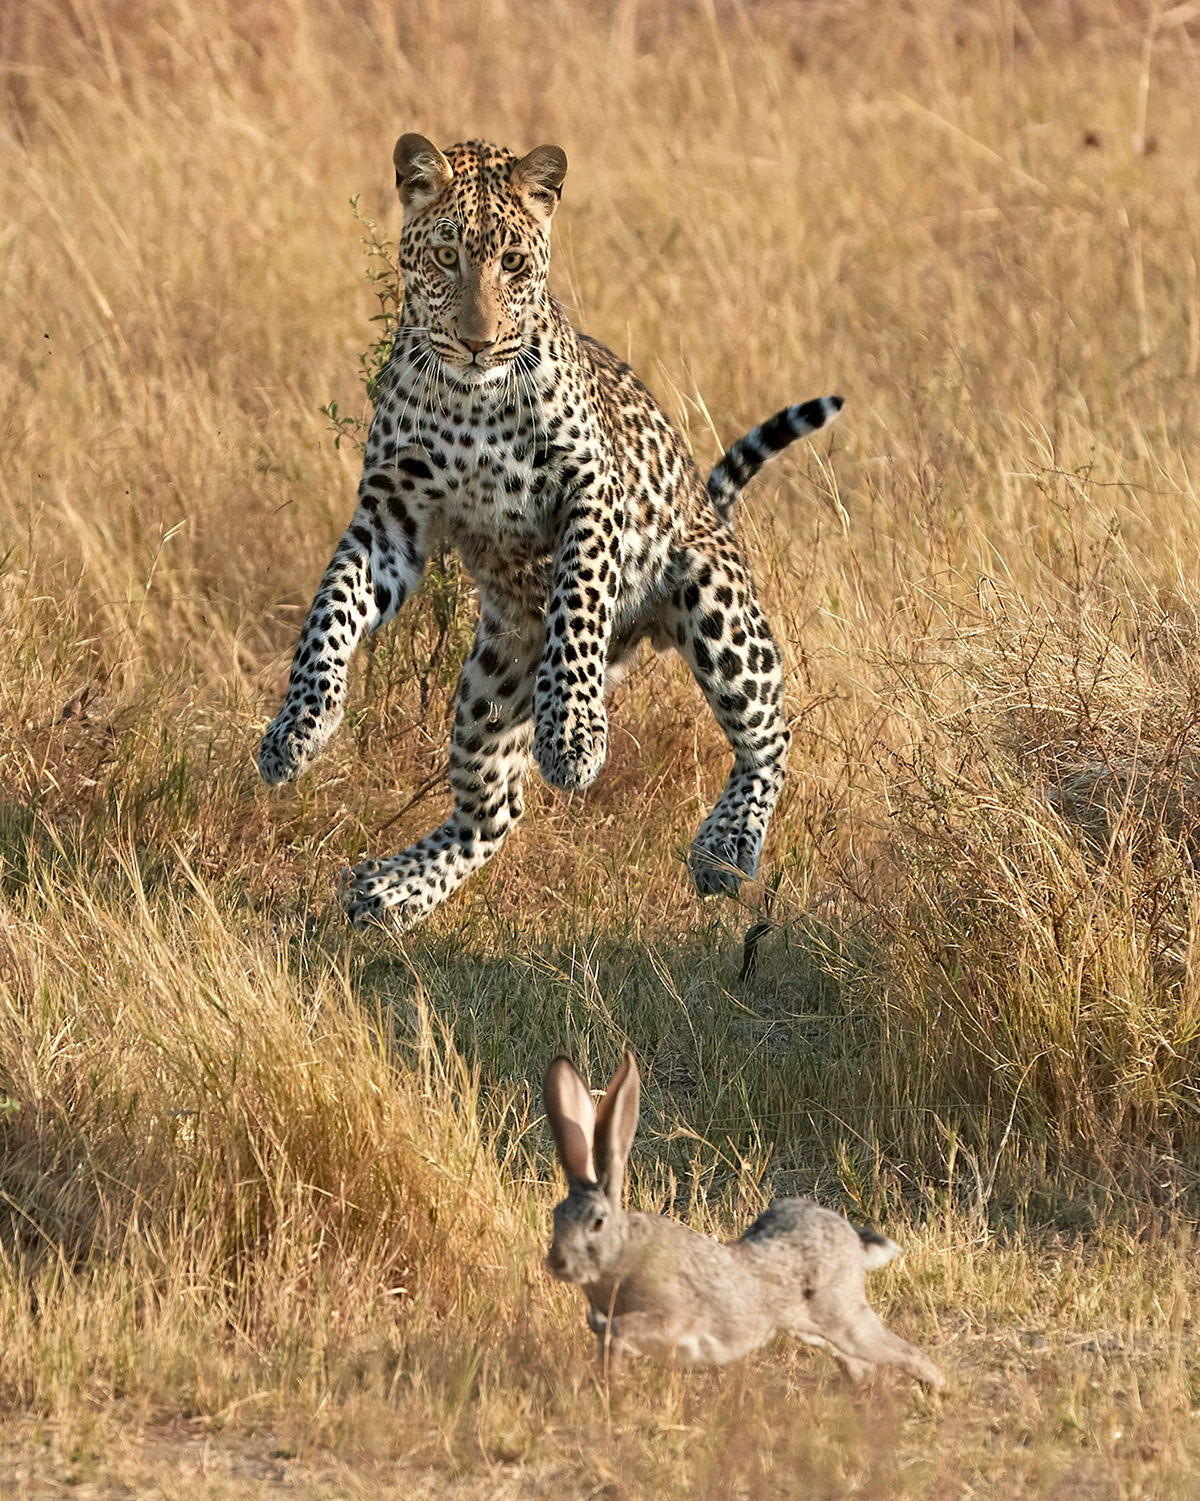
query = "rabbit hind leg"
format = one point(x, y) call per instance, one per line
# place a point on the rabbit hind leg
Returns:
point(859, 1341)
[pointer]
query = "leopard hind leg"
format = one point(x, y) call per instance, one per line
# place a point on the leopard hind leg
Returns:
point(714, 620)
point(489, 752)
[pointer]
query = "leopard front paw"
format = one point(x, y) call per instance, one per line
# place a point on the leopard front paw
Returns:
point(570, 744)
point(293, 739)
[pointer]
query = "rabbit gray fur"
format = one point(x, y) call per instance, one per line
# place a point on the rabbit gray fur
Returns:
point(656, 1288)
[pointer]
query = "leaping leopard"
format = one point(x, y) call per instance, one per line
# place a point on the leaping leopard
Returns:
point(576, 508)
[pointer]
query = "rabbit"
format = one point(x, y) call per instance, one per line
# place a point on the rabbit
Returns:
point(657, 1289)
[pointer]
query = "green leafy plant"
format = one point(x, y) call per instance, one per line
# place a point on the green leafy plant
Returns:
point(383, 276)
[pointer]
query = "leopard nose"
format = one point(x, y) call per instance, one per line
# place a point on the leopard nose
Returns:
point(477, 346)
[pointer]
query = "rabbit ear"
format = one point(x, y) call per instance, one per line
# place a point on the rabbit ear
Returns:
point(616, 1122)
point(572, 1119)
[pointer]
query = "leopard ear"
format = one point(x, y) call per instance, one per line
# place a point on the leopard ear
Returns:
point(538, 179)
point(422, 172)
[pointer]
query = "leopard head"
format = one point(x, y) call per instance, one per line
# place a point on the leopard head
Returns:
point(475, 248)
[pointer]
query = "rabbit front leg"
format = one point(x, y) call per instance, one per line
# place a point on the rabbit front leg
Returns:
point(621, 1335)
point(652, 1334)
point(611, 1349)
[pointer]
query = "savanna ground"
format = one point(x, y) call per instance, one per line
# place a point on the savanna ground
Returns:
point(274, 1194)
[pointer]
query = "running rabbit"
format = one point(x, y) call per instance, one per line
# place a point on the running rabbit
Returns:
point(658, 1289)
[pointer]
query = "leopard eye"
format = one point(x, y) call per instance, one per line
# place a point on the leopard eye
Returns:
point(446, 256)
point(513, 260)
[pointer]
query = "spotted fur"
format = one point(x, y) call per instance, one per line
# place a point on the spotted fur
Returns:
point(576, 508)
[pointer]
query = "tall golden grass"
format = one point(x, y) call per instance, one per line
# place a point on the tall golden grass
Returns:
point(284, 1187)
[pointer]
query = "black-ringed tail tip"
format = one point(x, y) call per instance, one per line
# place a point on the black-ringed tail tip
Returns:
point(746, 457)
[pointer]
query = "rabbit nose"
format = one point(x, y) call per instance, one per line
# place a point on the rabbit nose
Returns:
point(555, 1260)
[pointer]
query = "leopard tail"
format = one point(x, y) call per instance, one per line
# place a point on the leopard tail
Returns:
point(747, 456)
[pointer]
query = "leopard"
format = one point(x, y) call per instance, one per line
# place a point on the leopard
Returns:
point(577, 509)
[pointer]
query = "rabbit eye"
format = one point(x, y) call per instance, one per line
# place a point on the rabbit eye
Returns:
point(598, 1222)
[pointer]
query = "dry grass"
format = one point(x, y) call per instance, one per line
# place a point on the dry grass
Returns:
point(274, 1194)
